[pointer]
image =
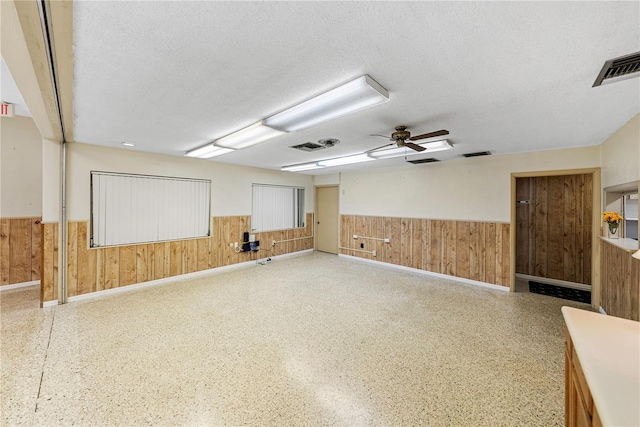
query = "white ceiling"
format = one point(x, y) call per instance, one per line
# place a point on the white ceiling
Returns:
point(505, 77)
point(9, 91)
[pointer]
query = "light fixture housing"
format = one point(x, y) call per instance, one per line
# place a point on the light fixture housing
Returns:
point(346, 160)
point(251, 135)
point(301, 167)
point(356, 95)
point(128, 144)
point(431, 147)
point(208, 151)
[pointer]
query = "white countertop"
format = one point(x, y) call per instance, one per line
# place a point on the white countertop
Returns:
point(629, 245)
point(609, 351)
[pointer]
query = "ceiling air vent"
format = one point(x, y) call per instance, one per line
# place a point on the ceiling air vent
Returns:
point(309, 146)
point(420, 161)
point(478, 154)
point(620, 68)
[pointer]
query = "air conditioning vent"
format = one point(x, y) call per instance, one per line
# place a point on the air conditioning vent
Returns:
point(420, 161)
point(619, 69)
point(478, 154)
point(309, 146)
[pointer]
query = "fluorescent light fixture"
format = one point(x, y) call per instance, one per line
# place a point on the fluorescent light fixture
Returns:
point(252, 135)
point(431, 147)
point(358, 94)
point(301, 167)
point(208, 151)
point(357, 158)
point(128, 144)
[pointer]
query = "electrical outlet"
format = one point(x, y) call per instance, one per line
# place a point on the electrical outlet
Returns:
point(273, 243)
point(373, 252)
point(386, 240)
point(355, 236)
point(235, 245)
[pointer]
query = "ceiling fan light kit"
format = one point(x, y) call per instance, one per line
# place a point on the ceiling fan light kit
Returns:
point(208, 151)
point(356, 95)
point(431, 147)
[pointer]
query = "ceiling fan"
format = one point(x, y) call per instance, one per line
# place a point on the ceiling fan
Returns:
point(402, 138)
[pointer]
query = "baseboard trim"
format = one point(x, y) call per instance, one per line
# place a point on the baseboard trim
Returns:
point(557, 282)
point(19, 285)
point(50, 303)
point(210, 272)
point(601, 310)
point(428, 273)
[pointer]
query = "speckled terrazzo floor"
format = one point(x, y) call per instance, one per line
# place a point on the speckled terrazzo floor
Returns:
point(312, 340)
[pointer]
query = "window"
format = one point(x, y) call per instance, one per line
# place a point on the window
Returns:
point(128, 209)
point(277, 207)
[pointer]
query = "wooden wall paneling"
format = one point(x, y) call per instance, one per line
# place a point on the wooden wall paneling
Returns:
point(540, 227)
point(36, 253)
point(243, 226)
point(363, 228)
point(523, 187)
point(396, 243)
point(634, 281)
point(5, 231)
point(579, 228)
point(506, 263)
point(204, 254)
point(416, 242)
point(100, 269)
point(72, 259)
point(142, 261)
point(159, 265)
point(406, 244)
point(175, 258)
point(151, 261)
point(426, 241)
point(435, 246)
point(449, 248)
point(477, 251)
point(499, 256)
point(555, 221)
point(20, 250)
point(462, 249)
point(490, 252)
point(344, 232)
point(387, 248)
point(56, 261)
point(216, 244)
point(128, 265)
point(587, 223)
point(191, 250)
point(46, 287)
point(86, 261)
point(111, 267)
point(570, 264)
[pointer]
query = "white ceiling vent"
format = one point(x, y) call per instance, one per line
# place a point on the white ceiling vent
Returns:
point(620, 68)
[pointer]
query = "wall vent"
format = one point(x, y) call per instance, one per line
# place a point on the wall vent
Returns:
point(309, 146)
point(420, 161)
point(620, 68)
point(478, 154)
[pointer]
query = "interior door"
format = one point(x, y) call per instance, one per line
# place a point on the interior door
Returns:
point(327, 219)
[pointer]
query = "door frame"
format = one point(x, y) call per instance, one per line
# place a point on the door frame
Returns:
point(315, 216)
point(595, 226)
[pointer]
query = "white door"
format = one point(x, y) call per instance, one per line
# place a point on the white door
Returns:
point(327, 219)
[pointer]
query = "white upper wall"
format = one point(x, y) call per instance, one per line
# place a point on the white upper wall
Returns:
point(476, 189)
point(230, 184)
point(620, 155)
point(20, 168)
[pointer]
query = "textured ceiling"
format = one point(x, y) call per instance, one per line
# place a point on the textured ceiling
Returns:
point(505, 77)
point(9, 91)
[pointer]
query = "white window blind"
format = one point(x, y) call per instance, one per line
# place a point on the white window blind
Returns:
point(129, 209)
point(277, 207)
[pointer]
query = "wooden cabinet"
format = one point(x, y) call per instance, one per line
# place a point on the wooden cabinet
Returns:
point(579, 408)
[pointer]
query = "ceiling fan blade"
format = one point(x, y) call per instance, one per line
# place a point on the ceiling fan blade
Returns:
point(385, 145)
point(414, 146)
point(383, 136)
point(429, 135)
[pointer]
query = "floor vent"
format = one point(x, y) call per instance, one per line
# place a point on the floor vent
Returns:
point(478, 154)
point(620, 68)
point(309, 146)
point(420, 161)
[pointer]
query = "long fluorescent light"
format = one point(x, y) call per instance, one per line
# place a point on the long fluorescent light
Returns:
point(208, 151)
point(431, 147)
point(252, 135)
point(301, 167)
point(358, 94)
point(357, 158)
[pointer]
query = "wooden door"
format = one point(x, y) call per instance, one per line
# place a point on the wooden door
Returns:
point(553, 227)
point(327, 219)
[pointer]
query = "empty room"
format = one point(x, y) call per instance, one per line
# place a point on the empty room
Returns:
point(319, 213)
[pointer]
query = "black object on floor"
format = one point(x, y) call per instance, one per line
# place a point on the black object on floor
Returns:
point(560, 292)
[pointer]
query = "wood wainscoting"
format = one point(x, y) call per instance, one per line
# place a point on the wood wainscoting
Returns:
point(467, 249)
point(554, 230)
point(95, 269)
point(19, 250)
point(620, 288)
